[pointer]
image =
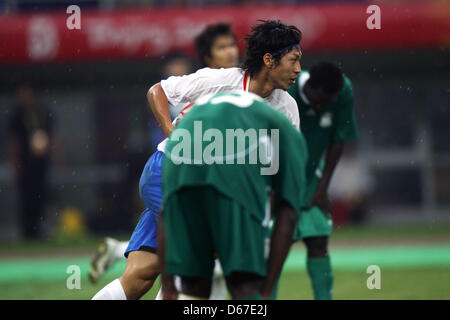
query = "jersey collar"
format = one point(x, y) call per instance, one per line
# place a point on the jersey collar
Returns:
point(304, 76)
point(246, 81)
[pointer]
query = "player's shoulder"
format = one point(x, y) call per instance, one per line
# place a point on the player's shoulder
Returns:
point(225, 79)
point(290, 101)
point(346, 94)
point(284, 99)
point(222, 73)
point(284, 102)
point(347, 83)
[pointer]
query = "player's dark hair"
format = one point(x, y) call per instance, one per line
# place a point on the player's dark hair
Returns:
point(205, 40)
point(326, 75)
point(270, 36)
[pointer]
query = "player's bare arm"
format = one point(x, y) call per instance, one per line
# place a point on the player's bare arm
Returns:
point(280, 244)
point(320, 197)
point(159, 105)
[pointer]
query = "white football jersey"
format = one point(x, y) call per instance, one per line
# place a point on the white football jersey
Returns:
point(186, 89)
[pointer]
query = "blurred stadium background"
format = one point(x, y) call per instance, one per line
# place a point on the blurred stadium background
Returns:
point(391, 190)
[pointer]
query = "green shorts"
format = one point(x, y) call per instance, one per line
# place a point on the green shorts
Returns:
point(202, 223)
point(313, 222)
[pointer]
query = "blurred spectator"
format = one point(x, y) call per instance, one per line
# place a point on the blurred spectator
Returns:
point(351, 187)
point(177, 64)
point(216, 46)
point(30, 130)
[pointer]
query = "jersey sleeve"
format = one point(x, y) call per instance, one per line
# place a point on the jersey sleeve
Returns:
point(186, 89)
point(345, 126)
point(287, 105)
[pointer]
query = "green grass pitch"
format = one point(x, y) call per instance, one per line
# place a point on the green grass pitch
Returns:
point(414, 264)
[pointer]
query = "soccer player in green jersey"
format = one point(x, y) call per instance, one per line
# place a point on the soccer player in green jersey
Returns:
point(223, 162)
point(325, 101)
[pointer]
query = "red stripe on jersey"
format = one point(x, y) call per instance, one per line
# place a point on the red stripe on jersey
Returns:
point(185, 108)
point(245, 80)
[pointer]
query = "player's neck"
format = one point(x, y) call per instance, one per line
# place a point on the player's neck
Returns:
point(261, 85)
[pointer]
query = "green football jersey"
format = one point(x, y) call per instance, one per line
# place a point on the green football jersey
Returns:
point(335, 123)
point(243, 147)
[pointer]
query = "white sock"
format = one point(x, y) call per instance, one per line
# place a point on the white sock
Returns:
point(119, 250)
point(112, 291)
point(219, 286)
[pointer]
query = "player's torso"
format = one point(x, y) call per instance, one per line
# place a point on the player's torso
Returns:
point(229, 139)
point(237, 79)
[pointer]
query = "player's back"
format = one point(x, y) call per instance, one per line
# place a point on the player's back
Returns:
point(237, 143)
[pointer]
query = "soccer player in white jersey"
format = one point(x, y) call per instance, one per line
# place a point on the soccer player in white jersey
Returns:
point(216, 48)
point(271, 66)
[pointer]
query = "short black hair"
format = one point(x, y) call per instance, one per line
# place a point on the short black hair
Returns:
point(326, 75)
point(270, 36)
point(205, 40)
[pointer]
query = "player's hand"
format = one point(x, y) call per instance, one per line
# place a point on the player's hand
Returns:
point(321, 200)
point(170, 295)
point(169, 291)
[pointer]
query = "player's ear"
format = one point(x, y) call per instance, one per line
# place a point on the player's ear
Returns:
point(268, 60)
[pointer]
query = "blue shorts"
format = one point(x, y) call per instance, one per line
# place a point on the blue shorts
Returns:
point(150, 190)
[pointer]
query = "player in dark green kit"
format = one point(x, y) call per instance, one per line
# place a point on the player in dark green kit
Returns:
point(223, 161)
point(325, 100)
